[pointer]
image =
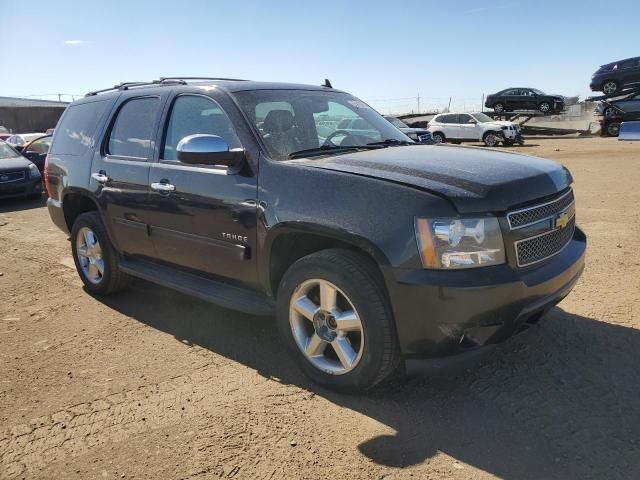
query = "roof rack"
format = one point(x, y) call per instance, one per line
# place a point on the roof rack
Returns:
point(204, 78)
point(159, 82)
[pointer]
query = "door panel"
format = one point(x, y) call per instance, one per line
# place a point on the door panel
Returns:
point(120, 174)
point(208, 221)
point(467, 130)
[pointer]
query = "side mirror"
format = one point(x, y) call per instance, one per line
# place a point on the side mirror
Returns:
point(203, 149)
point(471, 121)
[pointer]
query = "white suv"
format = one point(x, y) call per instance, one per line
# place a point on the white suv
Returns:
point(459, 127)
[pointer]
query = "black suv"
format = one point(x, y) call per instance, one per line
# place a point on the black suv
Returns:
point(512, 99)
point(369, 248)
point(614, 77)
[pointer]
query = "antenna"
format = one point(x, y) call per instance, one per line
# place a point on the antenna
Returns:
point(327, 83)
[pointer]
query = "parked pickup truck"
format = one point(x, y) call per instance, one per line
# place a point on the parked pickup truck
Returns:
point(369, 249)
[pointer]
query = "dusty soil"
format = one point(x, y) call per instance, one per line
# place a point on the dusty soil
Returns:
point(154, 384)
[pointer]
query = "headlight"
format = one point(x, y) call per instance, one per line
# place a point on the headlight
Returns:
point(33, 171)
point(451, 243)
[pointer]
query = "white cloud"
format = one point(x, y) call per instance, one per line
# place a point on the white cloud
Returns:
point(74, 42)
point(484, 9)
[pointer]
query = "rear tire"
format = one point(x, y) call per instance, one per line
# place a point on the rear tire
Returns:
point(498, 108)
point(610, 87)
point(94, 256)
point(316, 344)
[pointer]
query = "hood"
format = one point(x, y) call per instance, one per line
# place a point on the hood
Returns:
point(473, 179)
point(13, 163)
point(500, 123)
point(408, 130)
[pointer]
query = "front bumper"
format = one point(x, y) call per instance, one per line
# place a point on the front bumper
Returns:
point(441, 313)
point(21, 189)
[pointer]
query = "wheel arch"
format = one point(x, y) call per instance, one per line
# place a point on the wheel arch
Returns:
point(287, 243)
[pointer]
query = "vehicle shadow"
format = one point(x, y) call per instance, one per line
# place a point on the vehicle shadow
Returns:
point(561, 400)
point(18, 204)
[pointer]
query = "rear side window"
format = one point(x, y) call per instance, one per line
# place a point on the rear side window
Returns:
point(77, 129)
point(132, 132)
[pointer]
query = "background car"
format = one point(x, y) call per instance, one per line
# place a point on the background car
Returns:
point(18, 176)
point(458, 127)
point(19, 140)
point(36, 150)
point(512, 99)
point(629, 104)
point(615, 76)
point(420, 135)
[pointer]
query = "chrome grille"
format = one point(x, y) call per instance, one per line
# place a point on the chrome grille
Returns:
point(529, 216)
point(11, 177)
point(538, 248)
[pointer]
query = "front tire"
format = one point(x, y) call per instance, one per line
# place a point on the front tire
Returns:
point(613, 129)
point(490, 139)
point(94, 256)
point(438, 137)
point(334, 316)
point(545, 107)
point(498, 108)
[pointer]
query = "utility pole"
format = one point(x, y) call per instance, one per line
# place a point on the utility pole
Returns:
point(418, 103)
point(449, 106)
point(482, 104)
point(59, 97)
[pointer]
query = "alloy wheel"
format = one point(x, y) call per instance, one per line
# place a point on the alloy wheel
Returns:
point(498, 108)
point(89, 254)
point(326, 326)
point(545, 107)
point(609, 87)
point(490, 140)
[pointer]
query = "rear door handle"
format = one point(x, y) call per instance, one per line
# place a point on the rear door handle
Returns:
point(100, 177)
point(163, 187)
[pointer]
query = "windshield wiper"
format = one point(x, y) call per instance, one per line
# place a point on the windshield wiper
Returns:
point(324, 149)
point(392, 141)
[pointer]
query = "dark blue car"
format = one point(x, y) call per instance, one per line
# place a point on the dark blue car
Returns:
point(615, 76)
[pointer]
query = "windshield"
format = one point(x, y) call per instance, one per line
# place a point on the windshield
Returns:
point(396, 122)
point(6, 151)
point(482, 118)
point(294, 120)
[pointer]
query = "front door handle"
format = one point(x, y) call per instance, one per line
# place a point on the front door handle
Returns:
point(100, 177)
point(163, 187)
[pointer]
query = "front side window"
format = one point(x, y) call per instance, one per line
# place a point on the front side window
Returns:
point(195, 114)
point(41, 146)
point(481, 117)
point(396, 122)
point(132, 132)
point(464, 118)
point(294, 120)
point(512, 92)
point(6, 151)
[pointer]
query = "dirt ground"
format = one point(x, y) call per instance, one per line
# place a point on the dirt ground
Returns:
point(155, 384)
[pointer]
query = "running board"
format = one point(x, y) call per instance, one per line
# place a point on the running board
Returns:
point(223, 294)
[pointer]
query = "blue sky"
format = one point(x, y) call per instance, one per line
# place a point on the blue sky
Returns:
point(387, 53)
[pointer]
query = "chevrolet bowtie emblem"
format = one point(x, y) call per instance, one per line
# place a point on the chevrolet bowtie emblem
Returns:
point(561, 220)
